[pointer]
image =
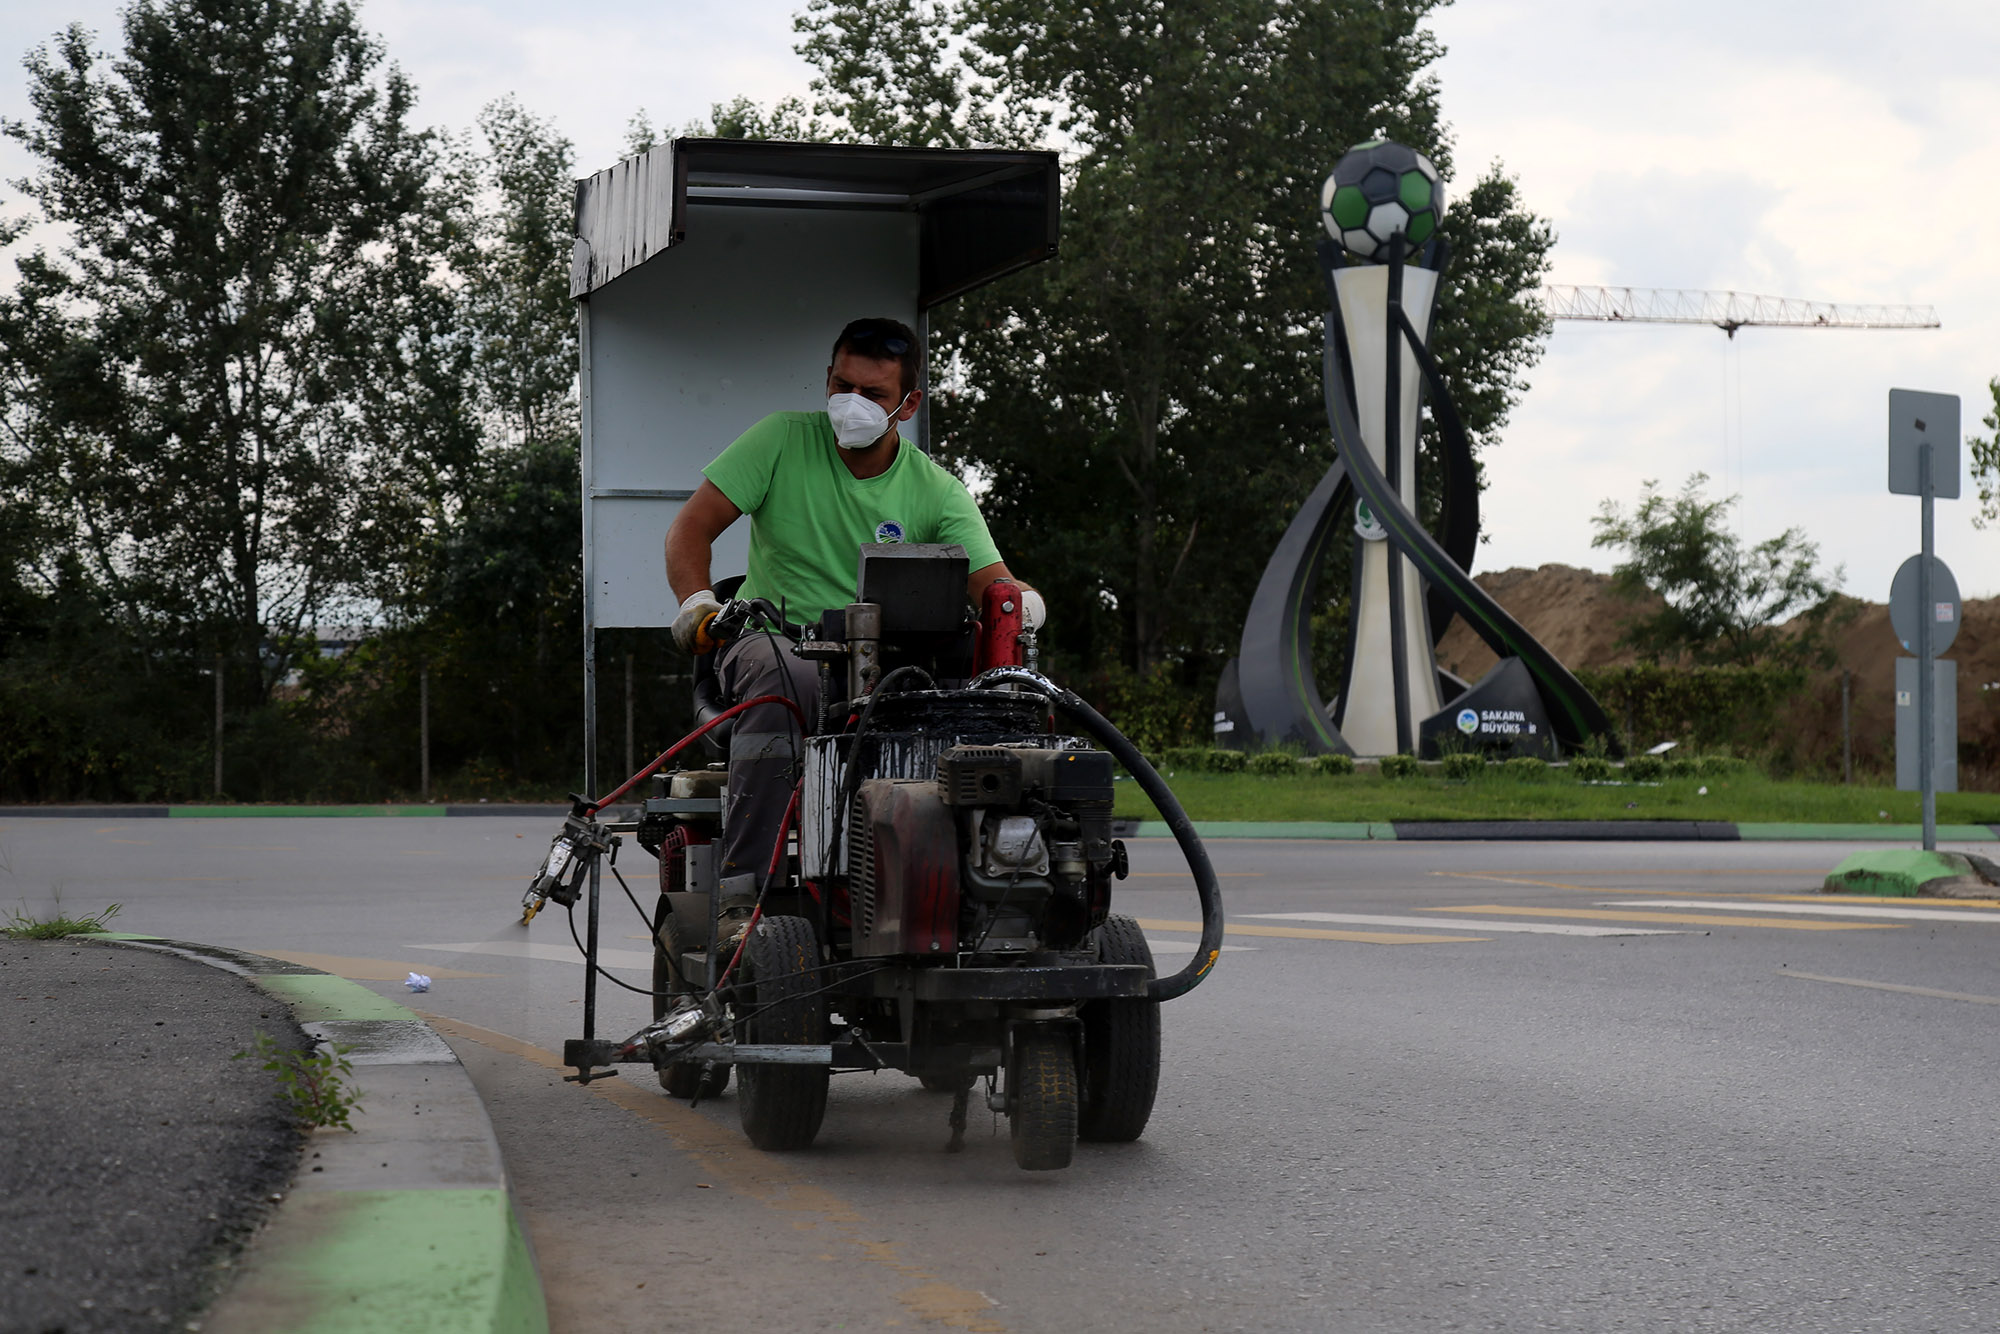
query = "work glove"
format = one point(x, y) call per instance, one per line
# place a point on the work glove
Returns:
point(696, 612)
point(1033, 610)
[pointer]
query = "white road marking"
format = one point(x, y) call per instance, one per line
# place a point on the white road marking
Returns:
point(1465, 924)
point(1815, 909)
point(553, 953)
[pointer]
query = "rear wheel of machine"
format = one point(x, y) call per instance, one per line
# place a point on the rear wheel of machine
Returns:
point(781, 1106)
point(682, 1079)
point(1043, 1120)
point(1121, 1046)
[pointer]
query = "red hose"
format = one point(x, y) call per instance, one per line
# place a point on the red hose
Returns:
point(692, 737)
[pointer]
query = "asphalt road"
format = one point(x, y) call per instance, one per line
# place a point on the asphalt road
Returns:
point(136, 1154)
point(1393, 1107)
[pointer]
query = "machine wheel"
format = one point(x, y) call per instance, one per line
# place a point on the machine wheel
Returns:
point(1121, 1046)
point(1043, 1120)
point(781, 1105)
point(682, 1079)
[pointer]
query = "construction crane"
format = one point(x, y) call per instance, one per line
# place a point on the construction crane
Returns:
point(1727, 311)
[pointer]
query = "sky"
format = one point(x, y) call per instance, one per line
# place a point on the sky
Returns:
point(1842, 151)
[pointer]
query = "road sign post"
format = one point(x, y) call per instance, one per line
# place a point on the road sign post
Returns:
point(1923, 461)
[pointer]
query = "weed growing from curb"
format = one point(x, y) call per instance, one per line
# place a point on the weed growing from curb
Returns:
point(313, 1084)
point(22, 926)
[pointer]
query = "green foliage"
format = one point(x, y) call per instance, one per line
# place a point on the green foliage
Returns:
point(1331, 766)
point(1154, 709)
point(1501, 796)
point(1698, 706)
point(22, 925)
point(1724, 599)
point(1645, 769)
point(1188, 759)
point(1464, 766)
point(1526, 769)
point(1681, 766)
point(1718, 766)
point(1985, 462)
point(1275, 764)
point(232, 389)
point(1225, 762)
point(1591, 769)
point(312, 1084)
point(1401, 766)
point(1185, 301)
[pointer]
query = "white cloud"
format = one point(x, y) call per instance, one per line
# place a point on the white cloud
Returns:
point(1837, 153)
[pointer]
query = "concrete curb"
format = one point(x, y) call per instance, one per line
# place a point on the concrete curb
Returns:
point(406, 1224)
point(1912, 873)
point(1574, 831)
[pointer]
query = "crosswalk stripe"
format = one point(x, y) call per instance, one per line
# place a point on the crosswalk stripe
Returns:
point(1161, 945)
point(1305, 933)
point(1466, 924)
point(1823, 910)
point(1691, 919)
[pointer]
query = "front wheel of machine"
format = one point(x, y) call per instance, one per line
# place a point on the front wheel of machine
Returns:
point(1121, 1046)
point(682, 1079)
point(1043, 1121)
point(781, 1106)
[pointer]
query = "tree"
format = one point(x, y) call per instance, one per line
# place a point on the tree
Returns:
point(1986, 462)
point(1147, 408)
point(1725, 601)
point(236, 388)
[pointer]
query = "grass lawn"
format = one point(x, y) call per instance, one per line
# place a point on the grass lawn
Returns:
point(1744, 798)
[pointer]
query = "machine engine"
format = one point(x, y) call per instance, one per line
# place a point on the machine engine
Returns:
point(1007, 850)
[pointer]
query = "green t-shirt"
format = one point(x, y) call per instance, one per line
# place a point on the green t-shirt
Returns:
point(809, 515)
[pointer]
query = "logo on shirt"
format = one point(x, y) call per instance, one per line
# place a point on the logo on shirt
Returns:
point(888, 531)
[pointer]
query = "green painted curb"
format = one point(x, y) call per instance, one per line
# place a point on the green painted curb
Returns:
point(1865, 833)
point(386, 1261)
point(1908, 873)
point(237, 812)
point(318, 997)
point(1325, 829)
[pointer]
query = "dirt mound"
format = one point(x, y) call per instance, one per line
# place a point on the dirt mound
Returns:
point(1577, 615)
point(1580, 617)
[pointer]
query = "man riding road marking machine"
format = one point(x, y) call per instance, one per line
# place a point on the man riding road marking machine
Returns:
point(938, 899)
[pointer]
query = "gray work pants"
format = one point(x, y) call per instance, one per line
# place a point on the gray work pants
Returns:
point(764, 746)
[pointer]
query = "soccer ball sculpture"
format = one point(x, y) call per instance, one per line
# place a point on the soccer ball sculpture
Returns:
point(1378, 189)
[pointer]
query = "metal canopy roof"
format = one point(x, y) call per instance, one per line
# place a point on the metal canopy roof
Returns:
point(984, 212)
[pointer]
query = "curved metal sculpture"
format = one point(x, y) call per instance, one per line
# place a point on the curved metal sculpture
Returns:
point(1269, 697)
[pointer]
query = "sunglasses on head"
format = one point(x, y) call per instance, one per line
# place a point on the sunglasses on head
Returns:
point(887, 339)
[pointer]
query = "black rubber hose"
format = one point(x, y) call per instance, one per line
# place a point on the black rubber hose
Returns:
point(1150, 782)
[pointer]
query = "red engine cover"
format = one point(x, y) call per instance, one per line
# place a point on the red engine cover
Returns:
point(903, 870)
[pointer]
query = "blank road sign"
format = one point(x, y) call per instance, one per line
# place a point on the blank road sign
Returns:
point(1915, 418)
point(1905, 610)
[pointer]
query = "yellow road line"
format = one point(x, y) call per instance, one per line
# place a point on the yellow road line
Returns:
point(1608, 889)
point(1697, 919)
point(763, 1178)
point(367, 970)
point(1892, 986)
point(1308, 933)
point(1883, 900)
point(1653, 870)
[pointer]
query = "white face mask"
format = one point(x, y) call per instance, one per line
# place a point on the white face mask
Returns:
point(858, 422)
